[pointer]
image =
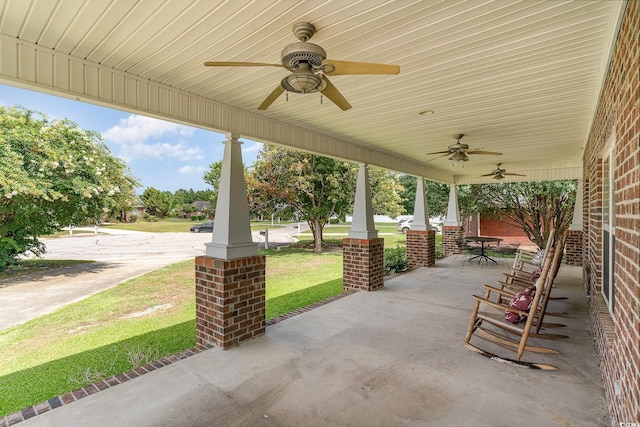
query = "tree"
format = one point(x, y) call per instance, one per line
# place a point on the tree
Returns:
point(386, 188)
point(315, 188)
point(156, 202)
point(53, 173)
point(536, 207)
point(212, 177)
point(437, 195)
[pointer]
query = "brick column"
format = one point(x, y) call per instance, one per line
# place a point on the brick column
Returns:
point(230, 300)
point(452, 236)
point(363, 264)
point(421, 248)
point(573, 247)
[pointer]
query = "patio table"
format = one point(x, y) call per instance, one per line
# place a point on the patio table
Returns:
point(483, 240)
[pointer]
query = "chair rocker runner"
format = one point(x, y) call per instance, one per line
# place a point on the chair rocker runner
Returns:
point(489, 312)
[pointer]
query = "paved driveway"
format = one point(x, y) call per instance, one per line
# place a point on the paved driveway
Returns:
point(119, 256)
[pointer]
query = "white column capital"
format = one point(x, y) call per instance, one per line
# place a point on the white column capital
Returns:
point(420, 210)
point(453, 214)
point(362, 225)
point(576, 223)
point(232, 230)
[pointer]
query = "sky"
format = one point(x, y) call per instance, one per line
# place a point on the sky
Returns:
point(164, 155)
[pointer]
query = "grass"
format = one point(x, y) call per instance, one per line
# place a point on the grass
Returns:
point(136, 322)
point(143, 319)
point(71, 347)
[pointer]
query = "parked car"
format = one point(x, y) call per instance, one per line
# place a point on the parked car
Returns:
point(205, 227)
point(405, 224)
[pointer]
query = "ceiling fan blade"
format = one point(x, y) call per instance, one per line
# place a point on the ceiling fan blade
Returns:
point(439, 157)
point(493, 153)
point(488, 174)
point(334, 95)
point(512, 174)
point(440, 152)
point(349, 67)
point(240, 64)
point(272, 97)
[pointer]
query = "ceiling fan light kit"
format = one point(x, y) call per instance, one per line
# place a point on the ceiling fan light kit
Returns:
point(459, 156)
point(303, 80)
point(309, 68)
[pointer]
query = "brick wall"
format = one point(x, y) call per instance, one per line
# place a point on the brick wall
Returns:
point(362, 264)
point(573, 247)
point(452, 237)
point(230, 300)
point(421, 248)
point(617, 333)
point(502, 228)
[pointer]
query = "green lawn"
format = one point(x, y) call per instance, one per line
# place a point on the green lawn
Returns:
point(138, 321)
point(142, 320)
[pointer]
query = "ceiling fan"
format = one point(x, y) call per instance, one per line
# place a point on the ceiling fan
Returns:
point(459, 151)
point(310, 67)
point(500, 173)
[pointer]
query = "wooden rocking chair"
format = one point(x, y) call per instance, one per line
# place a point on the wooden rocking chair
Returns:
point(516, 285)
point(526, 262)
point(489, 314)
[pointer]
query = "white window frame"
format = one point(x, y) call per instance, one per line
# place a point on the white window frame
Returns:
point(608, 227)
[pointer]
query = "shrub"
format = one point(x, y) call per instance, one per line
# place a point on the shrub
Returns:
point(150, 218)
point(395, 260)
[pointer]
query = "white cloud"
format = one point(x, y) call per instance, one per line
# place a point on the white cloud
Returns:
point(188, 170)
point(132, 135)
point(250, 149)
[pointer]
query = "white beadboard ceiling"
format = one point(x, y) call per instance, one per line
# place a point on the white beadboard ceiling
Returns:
point(517, 77)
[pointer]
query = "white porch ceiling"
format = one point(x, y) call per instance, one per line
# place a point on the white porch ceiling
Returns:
point(517, 77)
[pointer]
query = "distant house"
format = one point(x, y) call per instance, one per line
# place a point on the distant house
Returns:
point(136, 209)
point(202, 208)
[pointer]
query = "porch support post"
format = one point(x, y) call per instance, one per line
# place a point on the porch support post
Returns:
point(574, 235)
point(452, 230)
point(421, 239)
point(230, 277)
point(363, 251)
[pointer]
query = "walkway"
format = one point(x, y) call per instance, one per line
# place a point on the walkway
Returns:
point(390, 357)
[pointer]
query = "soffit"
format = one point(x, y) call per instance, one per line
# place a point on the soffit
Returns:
point(521, 78)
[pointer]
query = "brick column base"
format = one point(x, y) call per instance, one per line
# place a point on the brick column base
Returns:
point(452, 238)
point(421, 248)
point(573, 247)
point(230, 300)
point(362, 264)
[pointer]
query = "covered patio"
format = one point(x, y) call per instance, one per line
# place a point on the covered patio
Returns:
point(390, 357)
point(550, 89)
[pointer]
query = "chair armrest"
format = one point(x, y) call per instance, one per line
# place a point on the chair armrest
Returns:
point(499, 306)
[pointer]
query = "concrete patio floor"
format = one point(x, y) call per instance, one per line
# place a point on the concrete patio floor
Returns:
point(385, 358)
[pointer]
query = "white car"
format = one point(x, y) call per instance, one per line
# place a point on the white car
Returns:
point(405, 224)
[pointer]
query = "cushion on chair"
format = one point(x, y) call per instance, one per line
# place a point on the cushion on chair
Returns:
point(522, 301)
point(535, 274)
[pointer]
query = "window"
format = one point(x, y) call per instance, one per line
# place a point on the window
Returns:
point(608, 229)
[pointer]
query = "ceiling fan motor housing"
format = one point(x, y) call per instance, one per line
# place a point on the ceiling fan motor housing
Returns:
point(304, 60)
point(295, 53)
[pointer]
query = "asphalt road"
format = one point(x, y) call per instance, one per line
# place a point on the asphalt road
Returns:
point(117, 257)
